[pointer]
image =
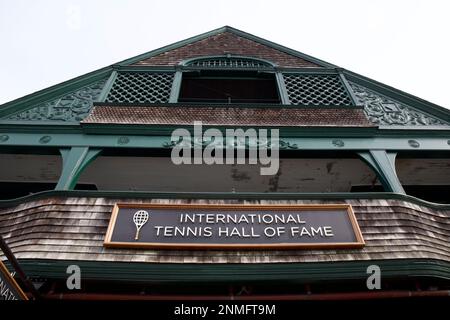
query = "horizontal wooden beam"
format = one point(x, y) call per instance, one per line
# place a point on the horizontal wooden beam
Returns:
point(327, 196)
point(163, 140)
point(237, 273)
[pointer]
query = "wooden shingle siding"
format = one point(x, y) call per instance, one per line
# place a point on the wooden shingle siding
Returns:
point(74, 229)
point(222, 44)
point(281, 117)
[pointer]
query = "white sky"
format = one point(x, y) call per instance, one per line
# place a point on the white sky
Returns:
point(405, 44)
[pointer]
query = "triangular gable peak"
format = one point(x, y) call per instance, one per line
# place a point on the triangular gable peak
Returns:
point(72, 100)
point(225, 43)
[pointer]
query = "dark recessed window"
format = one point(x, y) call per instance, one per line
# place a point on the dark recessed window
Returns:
point(228, 87)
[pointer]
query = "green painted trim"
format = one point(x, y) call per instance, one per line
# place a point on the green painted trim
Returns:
point(282, 91)
point(108, 86)
point(287, 132)
point(130, 129)
point(336, 196)
point(75, 160)
point(383, 163)
point(176, 86)
point(234, 105)
point(318, 139)
point(349, 90)
point(415, 128)
point(24, 125)
point(65, 155)
point(293, 273)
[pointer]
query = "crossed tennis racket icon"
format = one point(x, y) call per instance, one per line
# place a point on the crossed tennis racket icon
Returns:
point(140, 218)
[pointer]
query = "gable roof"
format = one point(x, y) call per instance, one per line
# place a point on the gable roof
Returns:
point(174, 53)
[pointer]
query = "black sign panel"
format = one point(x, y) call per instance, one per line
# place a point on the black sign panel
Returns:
point(233, 226)
point(9, 289)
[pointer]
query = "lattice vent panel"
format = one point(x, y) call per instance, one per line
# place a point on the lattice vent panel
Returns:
point(316, 90)
point(228, 63)
point(141, 87)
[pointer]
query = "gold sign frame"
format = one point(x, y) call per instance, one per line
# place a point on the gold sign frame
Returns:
point(359, 243)
point(12, 281)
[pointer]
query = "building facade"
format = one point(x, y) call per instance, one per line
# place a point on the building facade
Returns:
point(101, 145)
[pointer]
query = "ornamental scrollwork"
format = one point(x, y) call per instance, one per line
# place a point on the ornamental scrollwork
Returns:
point(73, 106)
point(384, 111)
point(196, 143)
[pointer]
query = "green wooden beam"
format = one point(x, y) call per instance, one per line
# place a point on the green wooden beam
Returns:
point(75, 160)
point(107, 87)
point(146, 195)
point(384, 165)
point(347, 87)
point(326, 139)
point(176, 86)
point(214, 273)
point(282, 91)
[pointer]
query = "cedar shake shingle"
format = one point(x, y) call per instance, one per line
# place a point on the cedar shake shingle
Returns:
point(222, 44)
point(228, 116)
point(74, 229)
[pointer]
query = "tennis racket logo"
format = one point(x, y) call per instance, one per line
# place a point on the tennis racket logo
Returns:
point(140, 218)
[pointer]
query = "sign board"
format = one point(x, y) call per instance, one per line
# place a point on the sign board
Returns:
point(9, 289)
point(233, 226)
